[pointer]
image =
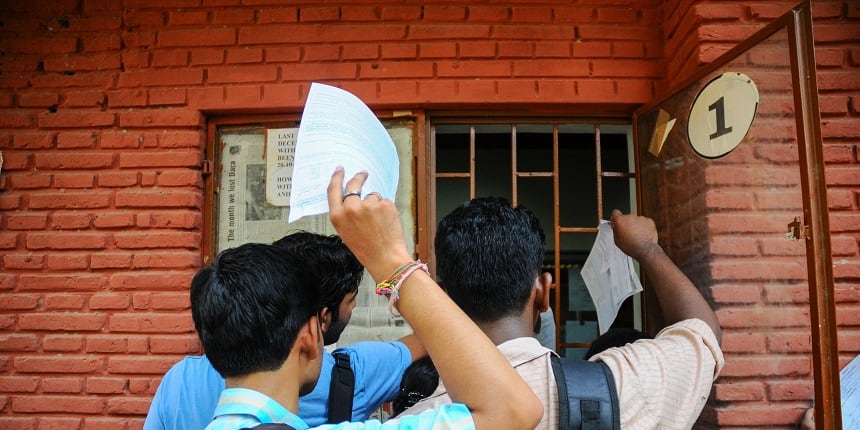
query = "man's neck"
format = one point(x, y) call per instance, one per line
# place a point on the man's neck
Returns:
point(271, 384)
point(507, 328)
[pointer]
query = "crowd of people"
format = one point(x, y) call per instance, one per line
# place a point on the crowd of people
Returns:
point(264, 312)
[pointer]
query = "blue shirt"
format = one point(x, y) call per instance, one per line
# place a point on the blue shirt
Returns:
point(189, 391)
point(240, 408)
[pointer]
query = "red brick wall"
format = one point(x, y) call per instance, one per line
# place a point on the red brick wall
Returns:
point(697, 33)
point(103, 106)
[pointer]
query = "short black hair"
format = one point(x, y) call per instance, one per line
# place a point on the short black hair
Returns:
point(488, 255)
point(614, 337)
point(249, 305)
point(419, 381)
point(330, 262)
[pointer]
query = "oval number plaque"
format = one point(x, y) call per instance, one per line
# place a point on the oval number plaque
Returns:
point(721, 114)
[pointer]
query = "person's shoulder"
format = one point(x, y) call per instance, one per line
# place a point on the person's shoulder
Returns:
point(373, 348)
point(193, 368)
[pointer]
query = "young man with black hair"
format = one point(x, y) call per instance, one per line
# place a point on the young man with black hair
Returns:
point(255, 311)
point(489, 257)
point(188, 393)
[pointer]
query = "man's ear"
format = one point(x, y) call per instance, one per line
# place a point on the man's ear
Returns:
point(310, 337)
point(324, 318)
point(541, 286)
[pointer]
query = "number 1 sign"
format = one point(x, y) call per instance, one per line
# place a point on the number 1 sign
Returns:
point(722, 114)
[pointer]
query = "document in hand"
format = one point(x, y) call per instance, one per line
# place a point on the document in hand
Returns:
point(338, 129)
point(609, 276)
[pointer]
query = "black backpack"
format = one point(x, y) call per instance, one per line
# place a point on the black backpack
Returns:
point(587, 398)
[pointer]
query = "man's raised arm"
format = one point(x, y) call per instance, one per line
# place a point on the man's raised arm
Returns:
point(678, 297)
point(473, 369)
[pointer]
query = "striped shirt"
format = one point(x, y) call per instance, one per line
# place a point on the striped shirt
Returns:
point(240, 408)
point(662, 383)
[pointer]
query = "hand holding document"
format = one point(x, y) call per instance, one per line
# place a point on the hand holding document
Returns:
point(338, 129)
point(609, 275)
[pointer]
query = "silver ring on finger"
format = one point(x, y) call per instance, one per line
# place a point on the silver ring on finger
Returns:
point(350, 194)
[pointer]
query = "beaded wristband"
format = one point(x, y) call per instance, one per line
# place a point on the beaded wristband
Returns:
point(391, 286)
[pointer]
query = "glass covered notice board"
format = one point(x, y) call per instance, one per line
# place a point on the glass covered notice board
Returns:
point(251, 204)
point(727, 168)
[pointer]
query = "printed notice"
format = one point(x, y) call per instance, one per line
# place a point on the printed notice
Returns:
point(280, 156)
point(338, 129)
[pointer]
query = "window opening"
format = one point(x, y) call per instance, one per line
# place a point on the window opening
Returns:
point(570, 174)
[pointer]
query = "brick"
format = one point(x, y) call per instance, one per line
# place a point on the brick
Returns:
point(46, 282)
point(84, 62)
point(74, 180)
point(740, 342)
point(66, 241)
point(139, 365)
point(236, 15)
point(30, 181)
point(15, 423)
point(151, 323)
point(179, 219)
point(15, 301)
point(128, 405)
point(69, 200)
point(38, 99)
point(170, 58)
point(165, 301)
point(100, 42)
point(18, 384)
point(8, 240)
point(182, 139)
point(93, 160)
point(80, 119)
point(198, 37)
point(62, 321)
point(47, 46)
point(109, 423)
point(135, 97)
point(62, 385)
point(106, 344)
point(790, 342)
point(17, 119)
point(763, 317)
point(167, 260)
point(62, 343)
point(19, 342)
point(175, 345)
point(160, 78)
point(114, 220)
point(57, 404)
point(160, 198)
point(531, 14)
point(98, 385)
point(109, 301)
point(143, 385)
point(244, 55)
point(205, 57)
point(69, 221)
point(110, 261)
point(64, 302)
point(739, 391)
point(149, 281)
point(117, 179)
point(359, 13)
point(167, 97)
point(766, 366)
point(59, 423)
point(167, 117)
point(319, 14)
point(58, 364)
point(26, 222)
point(437, 49)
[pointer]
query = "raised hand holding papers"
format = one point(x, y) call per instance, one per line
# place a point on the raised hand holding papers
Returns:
point(338, 129)
point(609, 275)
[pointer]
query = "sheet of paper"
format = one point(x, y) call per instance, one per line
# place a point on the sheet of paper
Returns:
point(338, 129)
point(849, 382)
point(609, 275)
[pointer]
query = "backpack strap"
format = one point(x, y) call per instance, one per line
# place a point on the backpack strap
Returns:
point(587, 398)
point(272, 426)
point(341, 390)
